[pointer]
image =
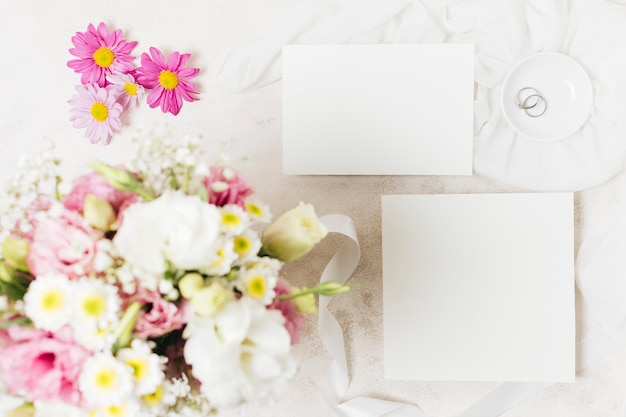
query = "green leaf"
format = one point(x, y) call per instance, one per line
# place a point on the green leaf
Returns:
point(21, 321)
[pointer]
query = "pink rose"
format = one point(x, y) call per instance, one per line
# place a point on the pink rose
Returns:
point(293, 318)
point(226, 186)
point(94, 183)
point(161, 317)
point(64, 245)
point(42, 366)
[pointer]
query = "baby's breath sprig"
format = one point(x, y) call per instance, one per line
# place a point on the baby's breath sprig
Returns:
point(35, 176)
point(181, 164)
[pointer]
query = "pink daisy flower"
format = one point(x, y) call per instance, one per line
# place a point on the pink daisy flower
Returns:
point(100, 53)
point(129, 90)
point(169, 80)
point(96, 108)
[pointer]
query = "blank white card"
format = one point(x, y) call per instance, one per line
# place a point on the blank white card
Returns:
point(479, 287)
point(378, 109)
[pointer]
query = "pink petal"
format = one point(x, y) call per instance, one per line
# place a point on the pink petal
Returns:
point(188, 72)
point(157, 57)
point(184, 58)
point(154, 97)
point(173, 63)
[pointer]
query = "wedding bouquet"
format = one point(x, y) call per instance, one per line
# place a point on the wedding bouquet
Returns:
point(150, 289)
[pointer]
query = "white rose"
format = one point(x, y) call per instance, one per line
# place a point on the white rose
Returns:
point(241, 355)
point(293, 234)
point(175, 227)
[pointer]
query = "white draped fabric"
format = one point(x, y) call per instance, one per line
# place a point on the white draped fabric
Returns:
point(504, 31)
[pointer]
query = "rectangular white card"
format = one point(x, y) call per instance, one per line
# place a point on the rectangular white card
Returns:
point(479, 287)
point(390, 109)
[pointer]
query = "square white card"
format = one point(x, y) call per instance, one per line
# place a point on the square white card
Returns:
point(389, 109)
point(479, 287)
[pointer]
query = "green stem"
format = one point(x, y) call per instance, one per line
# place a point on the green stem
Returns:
point(297, 294)
point(173, 181)
point(57, 193)
point(187, 179)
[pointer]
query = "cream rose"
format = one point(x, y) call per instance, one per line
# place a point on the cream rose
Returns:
point(175, 227)
point(293, 234)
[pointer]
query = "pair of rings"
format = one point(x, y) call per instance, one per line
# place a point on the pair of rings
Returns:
point(531, 101)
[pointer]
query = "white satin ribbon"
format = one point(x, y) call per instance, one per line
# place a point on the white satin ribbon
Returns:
point(507, 395)
point(340, 269)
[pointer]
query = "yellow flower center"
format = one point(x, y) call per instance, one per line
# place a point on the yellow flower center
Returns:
point(256, 286)
point(220, 257)
point(105, 379)
point(140, 367)
point(242, 244)
point(154, 398)
point(130, 88)
point(168, 79)
point(230, 220)
point(115, 411)
point(99, 111)
point(254, 209)
point(103, 57)
point(52, 301)
point(94, 305)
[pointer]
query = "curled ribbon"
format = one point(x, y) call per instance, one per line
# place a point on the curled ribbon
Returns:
point(340, 268)
point(507, 395)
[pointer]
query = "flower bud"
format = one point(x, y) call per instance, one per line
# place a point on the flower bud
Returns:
point(306, 304)
point(6, 273)
point(190, 284)
point(293, 234)
point(124, 331)
point(121, 179)
point(98, 213)
point(25, 410)
point(15, 252)
point(209, 300)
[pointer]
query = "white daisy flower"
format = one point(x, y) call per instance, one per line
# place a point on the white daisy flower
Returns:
point(96, 340)
point(96, 304)
point(156, 403)
point(147, 366)
point(223, 261)
point(271, 264)
point(127, 408)
point(257, 283)
point(105, 381)
point(48, 301)
point(258, 210)
point(246, 246)
point(234, 219)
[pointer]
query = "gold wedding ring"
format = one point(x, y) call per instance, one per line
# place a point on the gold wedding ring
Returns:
point(531, 101)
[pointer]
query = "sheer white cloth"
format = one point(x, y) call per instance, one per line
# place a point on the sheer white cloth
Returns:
point(590, 31)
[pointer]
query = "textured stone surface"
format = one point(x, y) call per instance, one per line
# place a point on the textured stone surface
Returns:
point(247, 127)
